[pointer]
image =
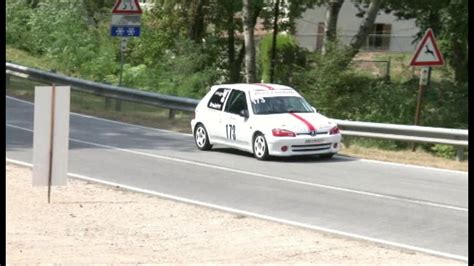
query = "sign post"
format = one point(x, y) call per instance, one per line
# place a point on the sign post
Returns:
point(126, 21)
point(51, 136)
point(426, 55)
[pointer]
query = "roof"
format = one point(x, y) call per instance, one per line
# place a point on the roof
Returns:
point(254, 86)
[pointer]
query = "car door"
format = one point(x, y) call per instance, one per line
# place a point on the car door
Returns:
point(213, 115)
point(235, 127)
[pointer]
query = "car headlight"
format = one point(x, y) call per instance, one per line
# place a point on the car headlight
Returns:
point(278, 132)
point(334, 130)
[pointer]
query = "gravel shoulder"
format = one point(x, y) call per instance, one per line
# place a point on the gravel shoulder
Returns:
point(93, 223)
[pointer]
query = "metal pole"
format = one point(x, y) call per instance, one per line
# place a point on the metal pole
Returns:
point(121, 62)
point(418, 101)
point(118, 104)
point(51, 144)
point(418, 105)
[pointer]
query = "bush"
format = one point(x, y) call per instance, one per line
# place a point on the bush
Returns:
point(444, 151)
point(288, 58)
point(345, 93)
point(18, 15)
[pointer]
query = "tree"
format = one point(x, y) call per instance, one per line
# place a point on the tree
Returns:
point(332, 14)
point(248, 16)
point(197, 26)
point(366, 26)
point(449, 21)
point(274, 40)
point(227, 24)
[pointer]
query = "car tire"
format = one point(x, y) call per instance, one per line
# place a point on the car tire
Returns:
point(260, 147)
point(201, 138)
point(327, 155)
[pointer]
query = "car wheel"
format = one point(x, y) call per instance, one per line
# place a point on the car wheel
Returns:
point(260, 147)
point(327, 155)
point(201, 139)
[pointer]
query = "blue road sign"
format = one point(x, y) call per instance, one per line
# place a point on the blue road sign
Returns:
point(125, 31)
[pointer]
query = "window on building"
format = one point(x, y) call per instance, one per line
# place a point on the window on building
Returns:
point(379, 39)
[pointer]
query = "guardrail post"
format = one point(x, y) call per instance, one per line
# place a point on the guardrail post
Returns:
point(7, 81)
point(387, 74)
point(118, 105)
point(171, 114)
point(108, 103)
point(346, 142)
point(459, 153)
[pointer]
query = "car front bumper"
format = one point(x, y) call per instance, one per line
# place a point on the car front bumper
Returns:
point(304, 145)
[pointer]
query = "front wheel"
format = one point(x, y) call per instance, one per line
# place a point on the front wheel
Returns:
point(201, 139)
point(260, 147)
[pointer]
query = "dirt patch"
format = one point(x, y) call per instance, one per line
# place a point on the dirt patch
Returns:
point(92, 223)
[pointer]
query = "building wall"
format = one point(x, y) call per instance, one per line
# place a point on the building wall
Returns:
point(398, 40)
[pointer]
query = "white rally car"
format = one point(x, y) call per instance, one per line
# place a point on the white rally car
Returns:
point(264, 119)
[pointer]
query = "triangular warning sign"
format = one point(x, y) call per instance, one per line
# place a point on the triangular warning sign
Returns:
point(427, 52)
point(126, 7)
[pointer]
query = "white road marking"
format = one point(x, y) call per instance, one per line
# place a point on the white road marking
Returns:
point(186, 134)
point(256, 215)
point(414, 166)
point(281, 179)
point(113, 121)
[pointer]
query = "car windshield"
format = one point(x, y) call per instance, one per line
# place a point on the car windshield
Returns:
point(280, 104)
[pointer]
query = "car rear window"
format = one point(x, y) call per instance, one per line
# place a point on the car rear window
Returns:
point(218, 99)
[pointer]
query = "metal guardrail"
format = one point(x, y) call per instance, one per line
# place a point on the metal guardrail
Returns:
point(455, 137)
point(447, 136)
point(106, 90)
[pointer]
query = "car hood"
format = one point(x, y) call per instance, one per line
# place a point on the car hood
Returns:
point(299, 123)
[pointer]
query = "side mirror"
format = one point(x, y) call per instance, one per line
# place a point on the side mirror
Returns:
point(244, 113)
point(314, 109)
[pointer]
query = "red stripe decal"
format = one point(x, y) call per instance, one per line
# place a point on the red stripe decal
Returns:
point(263, 85)
point(308, 124)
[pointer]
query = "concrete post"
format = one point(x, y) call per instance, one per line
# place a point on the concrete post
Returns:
point(459, 153)
point(346, 142)
point(118, 105)
point(108, 103)
point(172, 114)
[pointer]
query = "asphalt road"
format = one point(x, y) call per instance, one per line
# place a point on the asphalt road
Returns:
point(418, 208)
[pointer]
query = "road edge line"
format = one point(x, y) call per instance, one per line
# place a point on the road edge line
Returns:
point(255, 215)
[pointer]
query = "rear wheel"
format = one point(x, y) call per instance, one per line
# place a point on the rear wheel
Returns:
point(201, 138)
point(260, 147)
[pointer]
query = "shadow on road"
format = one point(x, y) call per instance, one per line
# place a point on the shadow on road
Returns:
point(293, 159)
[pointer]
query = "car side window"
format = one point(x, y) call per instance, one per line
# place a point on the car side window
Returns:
point(236, 103)
point(218, 99)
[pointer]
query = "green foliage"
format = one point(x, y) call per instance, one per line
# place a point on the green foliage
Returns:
point(449, 21)
point(345, 93)
point(288, 57)
point(18, 14)
point(444, 151)
point(189, 69)
point(446, 105)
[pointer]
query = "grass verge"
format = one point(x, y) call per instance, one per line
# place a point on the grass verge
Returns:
point(418, 157)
